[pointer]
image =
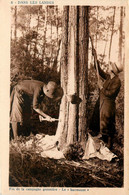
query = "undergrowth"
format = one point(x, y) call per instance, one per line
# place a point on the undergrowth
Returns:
point(27, 168)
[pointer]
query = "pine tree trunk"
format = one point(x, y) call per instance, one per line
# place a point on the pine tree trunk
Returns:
point(51, 38)
point(44, 39)
point(120, 36)
point(96, 36)
point(28, 44)
point(74, 76)
point(112, 32)
point(15, 31)
point(38, 21)
point(83, 72)
point(62, 128)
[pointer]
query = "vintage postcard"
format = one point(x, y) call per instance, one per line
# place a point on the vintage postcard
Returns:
point(64, 97)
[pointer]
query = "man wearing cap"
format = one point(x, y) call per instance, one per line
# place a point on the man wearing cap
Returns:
point(108, 93)
point(29, 92)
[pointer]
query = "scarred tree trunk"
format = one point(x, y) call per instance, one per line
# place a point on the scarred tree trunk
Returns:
point(74, 78)
point(83, 72)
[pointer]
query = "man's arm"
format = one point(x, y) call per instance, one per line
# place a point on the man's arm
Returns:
point(97, 63)
point(36, 104)
point(39, 111)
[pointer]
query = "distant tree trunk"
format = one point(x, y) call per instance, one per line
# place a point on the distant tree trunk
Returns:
point(57, 23)
point(120, 36)
point(74, 76)
point(124, 37)
point(112, 32)
point(12, 9)
point(44, 37)
point(29, 22)
point(96, 35)
point(28, 42)
point(51, 38)
point(11, 34)
point(15, 16)
point(58, 43)
point(56, 58)
point(106, 41)
point(38, 21)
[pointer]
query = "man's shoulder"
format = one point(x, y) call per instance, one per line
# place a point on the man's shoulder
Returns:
point(32, 82)
point(117, 80)
point(36, 82)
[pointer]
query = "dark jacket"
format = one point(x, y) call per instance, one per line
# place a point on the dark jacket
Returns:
point(106, 111)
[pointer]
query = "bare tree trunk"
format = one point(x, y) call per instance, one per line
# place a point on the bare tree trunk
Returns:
point(83, 76)
point(28, 42)
point(123, 38)
point(120, 36)
point(112, 32)
point(55, 62)
point(74, 78)
point(57, 23)
point(35, 47)
point(51, 37)
point(11, 34)
point(96, 28)
point(15, 31)
point(44, 39)
point(58, 43)
point(106, 41)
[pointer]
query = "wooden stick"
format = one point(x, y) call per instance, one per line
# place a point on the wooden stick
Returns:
point(95, 61)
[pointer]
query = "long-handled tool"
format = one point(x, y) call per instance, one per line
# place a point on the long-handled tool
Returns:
point(95, 56)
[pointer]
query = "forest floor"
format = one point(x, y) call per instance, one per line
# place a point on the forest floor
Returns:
point(29, 169)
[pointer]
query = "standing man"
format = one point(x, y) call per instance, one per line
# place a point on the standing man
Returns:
point(108, 93)
point(27, 93)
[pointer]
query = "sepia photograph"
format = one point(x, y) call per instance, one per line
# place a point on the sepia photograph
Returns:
point(66, 125)
point(64, 97)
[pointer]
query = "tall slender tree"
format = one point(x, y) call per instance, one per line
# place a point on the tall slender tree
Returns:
point(44, 36)
point(112, 32)
point(97, 26)
point(120, 36)
point(15, 16)
point(38, 22)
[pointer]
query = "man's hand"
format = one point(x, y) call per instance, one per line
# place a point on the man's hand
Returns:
point(47, 118)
